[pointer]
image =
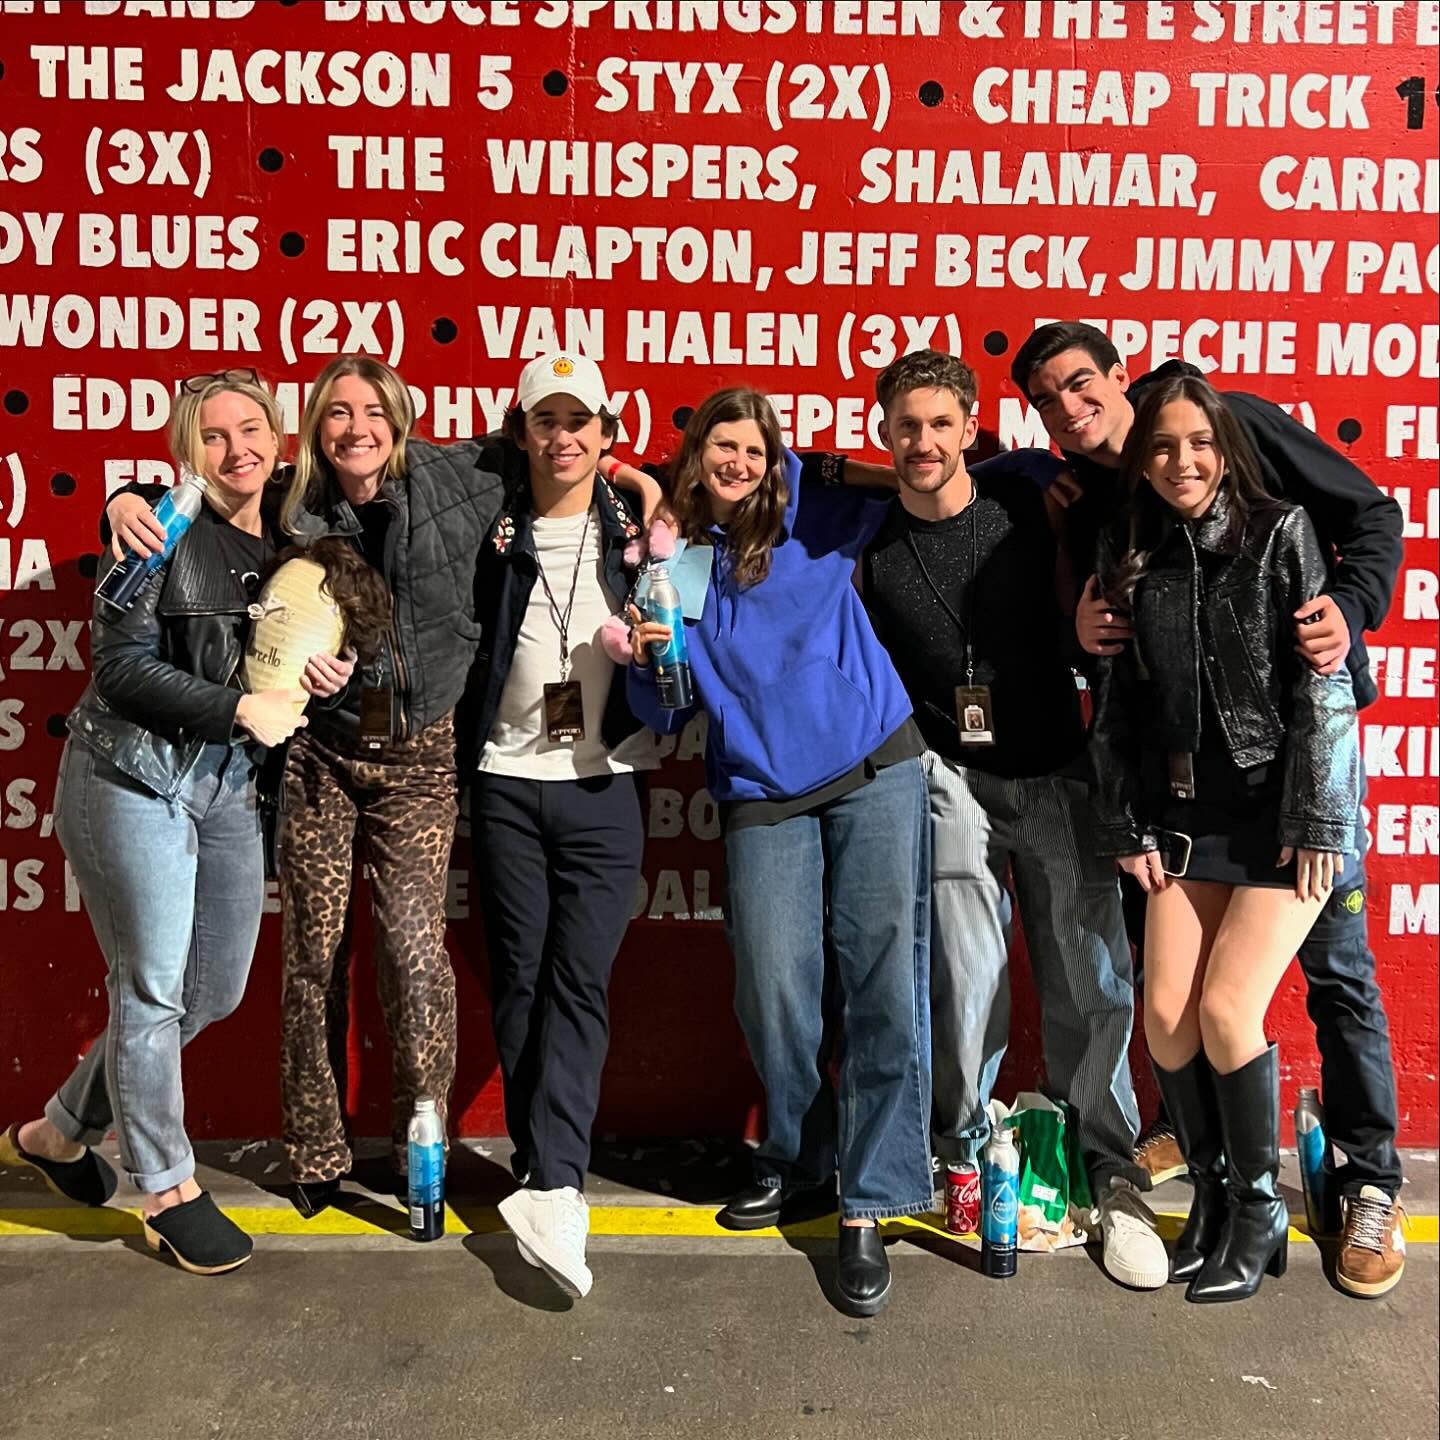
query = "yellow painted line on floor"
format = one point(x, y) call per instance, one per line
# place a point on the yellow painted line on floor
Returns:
point(636, 1221)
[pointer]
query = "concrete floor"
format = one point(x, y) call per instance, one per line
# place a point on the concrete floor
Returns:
point(364, 1334)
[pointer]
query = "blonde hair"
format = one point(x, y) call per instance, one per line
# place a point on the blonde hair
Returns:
point(312, 470)
point(186, 445)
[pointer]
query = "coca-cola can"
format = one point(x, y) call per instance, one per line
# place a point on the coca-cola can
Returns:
point(962, 1199)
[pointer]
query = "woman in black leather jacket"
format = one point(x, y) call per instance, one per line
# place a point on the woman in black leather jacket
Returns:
point(1228, 779)
point(156, 810)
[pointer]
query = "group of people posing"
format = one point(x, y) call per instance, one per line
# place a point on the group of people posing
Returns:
point(887, 657)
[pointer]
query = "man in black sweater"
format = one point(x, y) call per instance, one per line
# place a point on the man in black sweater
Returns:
point(1073, 376)
point(960, 583)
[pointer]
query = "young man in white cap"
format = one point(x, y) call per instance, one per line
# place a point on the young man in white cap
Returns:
point(555, 813)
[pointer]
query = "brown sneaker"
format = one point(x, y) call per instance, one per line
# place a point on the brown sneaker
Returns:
point(1372, 1249)
point(1157, 1152)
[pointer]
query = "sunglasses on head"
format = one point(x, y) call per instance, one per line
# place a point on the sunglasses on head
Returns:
point(198, 384)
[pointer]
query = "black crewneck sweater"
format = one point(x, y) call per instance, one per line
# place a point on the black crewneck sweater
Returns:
point(994, 563)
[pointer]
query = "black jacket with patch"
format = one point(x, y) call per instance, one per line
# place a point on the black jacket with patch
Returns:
point(504, 578)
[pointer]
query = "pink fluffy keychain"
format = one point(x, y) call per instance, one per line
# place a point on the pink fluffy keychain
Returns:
point(657, 544)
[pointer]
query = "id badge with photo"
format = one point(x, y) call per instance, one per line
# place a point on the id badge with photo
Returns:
point(1182, 775)
point(974, 715)
point(564, 712)
point(377, 709)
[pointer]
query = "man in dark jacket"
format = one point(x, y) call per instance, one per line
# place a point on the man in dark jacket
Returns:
point(554, 758)
point(1074, 377)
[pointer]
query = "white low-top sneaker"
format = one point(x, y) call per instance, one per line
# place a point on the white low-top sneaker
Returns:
point(1134, 1252)
point(550, 1227)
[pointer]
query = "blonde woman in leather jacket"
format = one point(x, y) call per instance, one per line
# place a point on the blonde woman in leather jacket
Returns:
point(156, 810)
point(1227, 783)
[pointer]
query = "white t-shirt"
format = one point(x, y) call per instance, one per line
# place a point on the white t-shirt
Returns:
point(518, 743)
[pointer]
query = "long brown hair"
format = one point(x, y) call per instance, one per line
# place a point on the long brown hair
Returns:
point(312, 469)
point(755, 525)
point(357, 588)
point(1145, 511)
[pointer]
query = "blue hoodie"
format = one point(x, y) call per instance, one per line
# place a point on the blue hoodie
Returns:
point(797, 687)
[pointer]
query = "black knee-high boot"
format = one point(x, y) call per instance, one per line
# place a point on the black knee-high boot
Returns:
point(1256, 1229)
point(1189, 1097)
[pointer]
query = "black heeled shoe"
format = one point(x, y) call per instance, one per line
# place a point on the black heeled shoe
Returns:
point(753, 1208)
point(310, 1197)
point(863, 1270)
point(1190, 1102)
point(1254, 1240)
point(202, 1240)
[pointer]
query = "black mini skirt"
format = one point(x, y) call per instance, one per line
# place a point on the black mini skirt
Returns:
point(1236, 845)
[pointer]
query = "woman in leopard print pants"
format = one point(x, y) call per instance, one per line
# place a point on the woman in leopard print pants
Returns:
point(376, 770)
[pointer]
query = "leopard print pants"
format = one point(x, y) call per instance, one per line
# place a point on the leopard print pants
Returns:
point(400, 804)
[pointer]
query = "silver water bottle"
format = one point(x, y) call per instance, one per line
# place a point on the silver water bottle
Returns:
point(176, 511)
point(674, 684)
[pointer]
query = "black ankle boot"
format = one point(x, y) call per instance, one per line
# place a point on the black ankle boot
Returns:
point(1190, 1102)
point(313, 1196)
point(863, 1275)
point(1254, 1238)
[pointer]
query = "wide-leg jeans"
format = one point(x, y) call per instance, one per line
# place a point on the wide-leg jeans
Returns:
point(855, 871)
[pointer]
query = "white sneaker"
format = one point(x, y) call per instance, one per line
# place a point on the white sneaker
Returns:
point(550, 1228)
point(1134, 1252)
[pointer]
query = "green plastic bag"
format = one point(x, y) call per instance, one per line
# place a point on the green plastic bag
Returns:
point(1055, 1198)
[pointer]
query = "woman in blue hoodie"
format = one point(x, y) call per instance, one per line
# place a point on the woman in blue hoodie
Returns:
point(813, 758)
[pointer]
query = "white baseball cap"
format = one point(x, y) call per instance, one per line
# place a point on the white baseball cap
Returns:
point(562, 374)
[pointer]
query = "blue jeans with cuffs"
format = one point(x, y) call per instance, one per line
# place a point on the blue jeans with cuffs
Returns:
point(174, 890)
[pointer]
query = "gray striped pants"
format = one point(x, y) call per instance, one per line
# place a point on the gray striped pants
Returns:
point(1039, 832)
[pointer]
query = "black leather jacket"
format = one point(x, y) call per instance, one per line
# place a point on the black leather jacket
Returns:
point(1205, 615)
point(1355, 520)
point(161, 672)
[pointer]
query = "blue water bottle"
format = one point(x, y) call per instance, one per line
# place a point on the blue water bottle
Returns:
point(1000, 1205)
point(674, 685)
point(176, 512)
point(426, 1152)
point(1310, 1146)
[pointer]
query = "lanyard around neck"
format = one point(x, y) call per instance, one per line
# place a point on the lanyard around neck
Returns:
point(562, 618)
point(966, 626)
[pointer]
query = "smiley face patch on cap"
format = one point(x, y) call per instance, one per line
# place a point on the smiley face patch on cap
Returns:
point(562, 374)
